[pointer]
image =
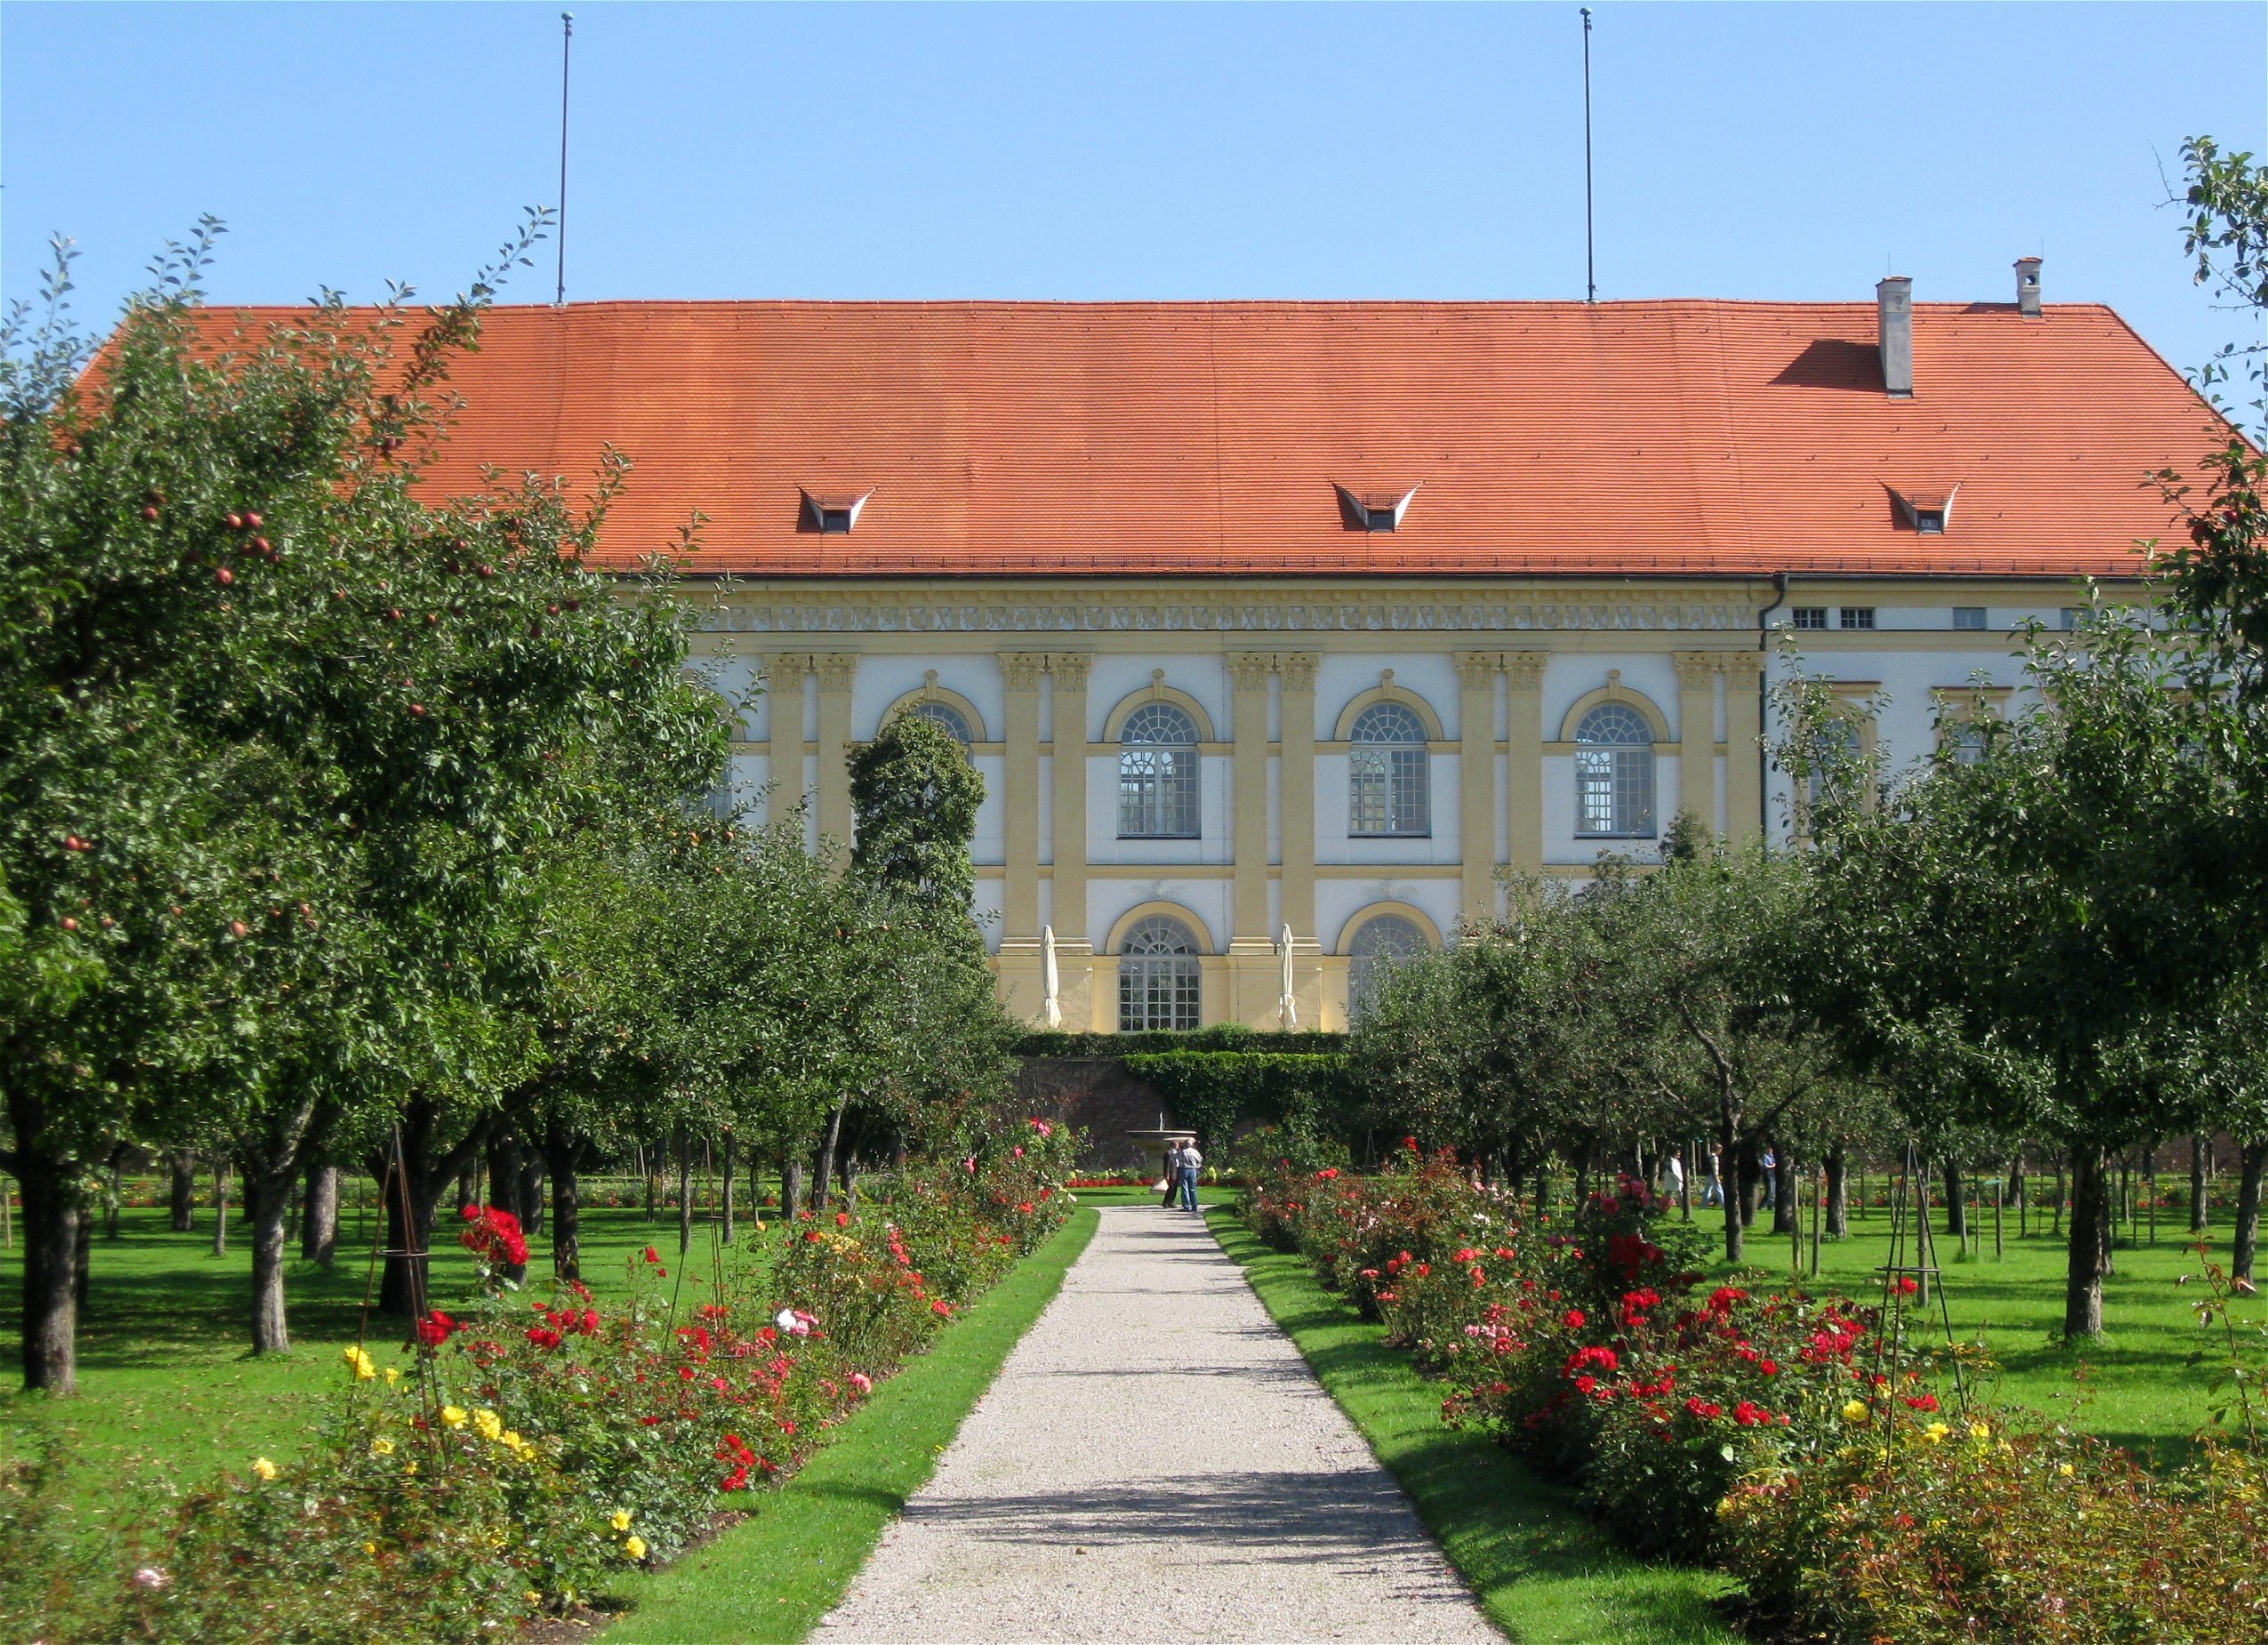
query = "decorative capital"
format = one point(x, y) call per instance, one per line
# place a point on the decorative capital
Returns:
point(1251, 669)
point(1022, 668)
point(1696, 669)
point(1297, 669)
point(835, 668)
point(1524, 669)
point(1070, 668)
point(1742, 668)
point(1476, 670)
point(784, 669)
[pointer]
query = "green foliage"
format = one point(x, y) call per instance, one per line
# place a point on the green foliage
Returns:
point(1212, 1090)
point(913, 798)
point(1219, 1037)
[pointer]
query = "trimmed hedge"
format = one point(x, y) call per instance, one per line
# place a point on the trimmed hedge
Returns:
point(1221, 1037)
point(1212, 1090)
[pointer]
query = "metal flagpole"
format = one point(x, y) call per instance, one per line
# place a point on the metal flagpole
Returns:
point(1590, 258)
point(566, 50)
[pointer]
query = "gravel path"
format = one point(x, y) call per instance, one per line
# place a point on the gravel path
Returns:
point(1156, 1461)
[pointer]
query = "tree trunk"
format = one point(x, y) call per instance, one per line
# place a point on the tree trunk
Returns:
point(560, 1153)
point(51, 1219)
point(530, 1194)
point(2198, 1219)
point(1957, 1208)
point(1731, 1151)
point(1747, 1188)
point(503, 1172)
point(1785, 1218)
point(725, 1183)
point(318, 1232)
point(1838, 1194)
point(791, 1188)
point(2252, 1165)
point(184, 1191)
point(220, 1208)
point(268, 1194)
point(684, 1194)
point(2090, 1243)
point(411, 1195)
point(821, 1179)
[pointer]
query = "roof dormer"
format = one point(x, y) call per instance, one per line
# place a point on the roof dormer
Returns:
point(1373, 510)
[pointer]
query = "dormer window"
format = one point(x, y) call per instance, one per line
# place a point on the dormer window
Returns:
point(1927, 513)
point(831, 514)
point(1373, 510)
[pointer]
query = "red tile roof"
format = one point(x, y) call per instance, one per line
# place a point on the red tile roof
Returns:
point(1117, 439)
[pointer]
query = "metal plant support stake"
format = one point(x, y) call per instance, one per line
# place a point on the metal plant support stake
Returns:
point(1890, 1339)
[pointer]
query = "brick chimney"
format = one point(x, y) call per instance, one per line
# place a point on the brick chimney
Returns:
point(1894, 302)
point(2028, 287)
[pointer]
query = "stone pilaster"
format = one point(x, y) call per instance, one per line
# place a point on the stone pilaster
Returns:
point(1476, 672)
point(1524, 747)
point(1295, 680)
point(1251, 948)
point(1744, 743)
point(1020, 797)
point(837, 671)
point(1697, 673)
point(1075, 942)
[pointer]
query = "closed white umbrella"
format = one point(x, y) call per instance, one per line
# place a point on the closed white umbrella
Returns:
point(1051, 1007)
point(1286, 1009)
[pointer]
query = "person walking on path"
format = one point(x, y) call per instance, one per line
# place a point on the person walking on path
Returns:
point(1713, 1191)
point(1172, 1184)
point(1192, 1162)
point(1673, 1175)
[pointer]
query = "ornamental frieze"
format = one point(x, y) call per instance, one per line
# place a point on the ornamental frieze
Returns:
point(742, 616)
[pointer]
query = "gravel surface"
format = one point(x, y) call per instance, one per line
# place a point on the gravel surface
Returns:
point(1156, 1461)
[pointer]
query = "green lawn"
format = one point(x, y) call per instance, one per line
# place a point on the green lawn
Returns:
point(2140, 1389)
point(1544, 1572)
point(169, 1390)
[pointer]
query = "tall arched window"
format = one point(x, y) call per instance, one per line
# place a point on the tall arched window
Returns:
point(1615, 772)
point(1965, 740)
point(947, 719)
point(1159, 978)
point(1157, 775)
point(1837, 757)
point(1378, 946)
point(1388, 788)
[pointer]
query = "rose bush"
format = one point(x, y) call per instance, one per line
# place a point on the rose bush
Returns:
point(1796, 1440)
point(537, 1444)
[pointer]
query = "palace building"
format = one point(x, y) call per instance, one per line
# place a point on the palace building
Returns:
point(1261, 617)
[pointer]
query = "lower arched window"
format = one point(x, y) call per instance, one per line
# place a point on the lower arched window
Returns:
point(1159, 977)
point(1388, 790)
point(1615, 772)
point(1378, 946)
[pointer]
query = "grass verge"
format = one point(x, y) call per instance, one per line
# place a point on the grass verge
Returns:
point(1544, 1572)
point(772, 1577)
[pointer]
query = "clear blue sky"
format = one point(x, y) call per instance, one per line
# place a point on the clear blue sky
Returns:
point(1094, 151)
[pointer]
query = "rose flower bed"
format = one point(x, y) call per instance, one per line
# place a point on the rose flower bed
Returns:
point(1788, 1439)
point(539, 1444)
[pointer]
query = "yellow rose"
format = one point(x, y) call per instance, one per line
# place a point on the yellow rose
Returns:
point(619, 1519)
point(1936, 1433)
point(634, 1546)
point(382, 1448)
point(265, 1469)
point(1855, 1410)
point(370, 1547)
point(532, 1597)
point(364, 1367)
point(490, 1425)
point(1979, 1430)
point(2064, 1469)
point(452, 1416)
point(393, 1374)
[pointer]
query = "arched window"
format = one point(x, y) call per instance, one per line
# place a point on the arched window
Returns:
point(1157, 775)
point(1378, 945)
point(1965, 740)
point(1838, 750)
point(1388, 788)
point(947, 719)
point(1615, 772)
point(1158, 977)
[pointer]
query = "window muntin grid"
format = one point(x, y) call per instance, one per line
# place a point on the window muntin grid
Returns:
point(1964, 741)
point(1389, 785)
point(1614, 773)
point(1836, 749)
point(1158, 775)
point(1159, 978)
point(946, 718)
point(1380, 944)
point(1856, 616)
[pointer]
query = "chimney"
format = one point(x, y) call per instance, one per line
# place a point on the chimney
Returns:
point(1894, 301)
point(2028, 287)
